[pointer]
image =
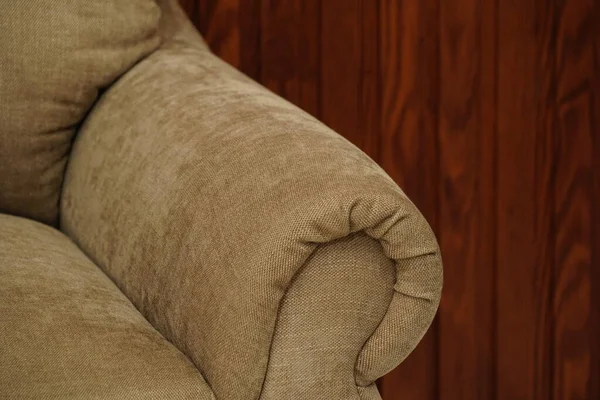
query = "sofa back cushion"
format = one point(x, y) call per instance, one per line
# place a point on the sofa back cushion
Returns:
point(55, 56)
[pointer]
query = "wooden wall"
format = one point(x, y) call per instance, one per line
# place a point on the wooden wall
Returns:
point(487, 113)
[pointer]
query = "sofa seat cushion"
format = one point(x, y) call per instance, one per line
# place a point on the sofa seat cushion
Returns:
point(67, 332)
point(55, 56)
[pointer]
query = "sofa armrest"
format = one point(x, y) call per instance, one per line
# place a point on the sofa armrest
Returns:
point(203, 196)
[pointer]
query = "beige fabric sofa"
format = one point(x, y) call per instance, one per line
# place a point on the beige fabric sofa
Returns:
point(169, 229)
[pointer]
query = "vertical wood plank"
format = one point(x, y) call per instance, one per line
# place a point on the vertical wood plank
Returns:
point(250, 24)
point(594, 383)
point(190, 8)
point(467, 161)
point(369, 106)
point(349, 71)
point(204, 10)
point(290, 51)
point(526, 178)
point(340, 67)
point(218, 22)
point(575, 72)
point(232, 30)
point(409, 65)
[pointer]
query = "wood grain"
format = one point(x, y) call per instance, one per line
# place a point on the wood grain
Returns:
point(232, 30)
point(340, 38)
point(573, 334)
point(467, 180)
point(594, 380)
point(526, 179)
point(369, 106)
point(218, 22)
point(190, 7)
point(290, 51)
point(250, 23)
point(409, 62)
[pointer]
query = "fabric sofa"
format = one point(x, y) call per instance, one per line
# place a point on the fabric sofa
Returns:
point(169, 229)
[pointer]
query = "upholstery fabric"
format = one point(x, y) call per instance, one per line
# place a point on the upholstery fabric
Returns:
point(189, 181)
point(333, 294)
point(67, 332)
point(174, 25)
point(54, 58)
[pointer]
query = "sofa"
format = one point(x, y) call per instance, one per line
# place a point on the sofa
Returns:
point(170, 229)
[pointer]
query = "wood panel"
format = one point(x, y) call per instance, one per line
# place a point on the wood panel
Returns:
point(339, 86)
point(594, 380)
point(486, 113)
point(190, 7)
point(232, 29)
point(573, 334)
point(409, 62)
point(467, 216)
point(369, 106)
point(348, 37)
point(526, 178)
point(290, 51)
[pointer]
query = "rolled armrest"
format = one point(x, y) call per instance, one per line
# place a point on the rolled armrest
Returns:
point(204, 196)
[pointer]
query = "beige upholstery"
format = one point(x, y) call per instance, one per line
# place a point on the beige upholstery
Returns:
point(332, 295)
point(275, 255)
point(67, 332)
point(54, 57)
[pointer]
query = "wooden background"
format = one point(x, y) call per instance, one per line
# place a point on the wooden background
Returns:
point(487, 113)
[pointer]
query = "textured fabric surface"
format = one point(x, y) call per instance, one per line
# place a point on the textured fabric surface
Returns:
point(174, 25)
point(67, 332)
point(54, 57)
point(344, 284)
point(202, 194)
